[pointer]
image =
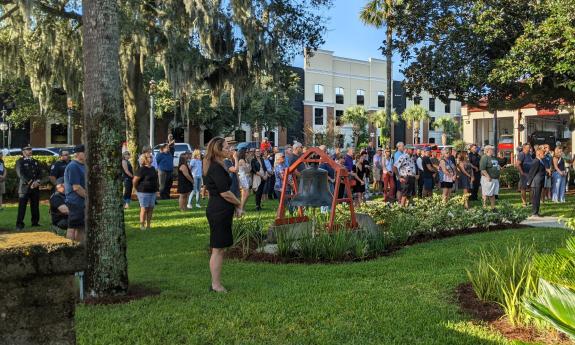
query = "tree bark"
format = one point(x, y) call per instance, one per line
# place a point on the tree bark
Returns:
point(136, 105)
point(388, 95)
point(107, 273)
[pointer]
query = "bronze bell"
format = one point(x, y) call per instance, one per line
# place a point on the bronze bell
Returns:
point(313, 189)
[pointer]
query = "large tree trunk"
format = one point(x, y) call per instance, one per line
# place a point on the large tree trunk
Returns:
point(388, 95)
point(135, 100)
point(107, 273)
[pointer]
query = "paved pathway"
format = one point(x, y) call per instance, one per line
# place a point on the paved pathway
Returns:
point(544, 222)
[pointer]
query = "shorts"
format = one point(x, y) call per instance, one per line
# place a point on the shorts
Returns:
point(523, 182)
point(446, 185)
point(428, 183)
point(489, 188)
point(376, 174)
point(408, 188)
point(547, 182)
point(76, 215)
point(147, 200)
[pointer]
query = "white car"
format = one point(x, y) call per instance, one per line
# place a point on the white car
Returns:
point(36, 151)
point(180, 148)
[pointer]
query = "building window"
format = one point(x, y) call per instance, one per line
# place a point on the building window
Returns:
point(339, 95)
point(432, 104)
point(360, 97)
point(318, 89)
point(416, 100)
point(58, 133)
point(432, 140)
point(431, 123)
point(448, 107)
point(381, 99)
point(338, 115)
point(318, 117)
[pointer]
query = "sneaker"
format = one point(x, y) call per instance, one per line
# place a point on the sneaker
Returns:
point(198, 206)
point(142, 227)
point(190, 206)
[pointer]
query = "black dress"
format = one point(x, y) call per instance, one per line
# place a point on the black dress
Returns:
point(219, 212)
point(359, 188)
point(185, 186)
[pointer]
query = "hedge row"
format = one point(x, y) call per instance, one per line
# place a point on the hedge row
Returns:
point(12, 178)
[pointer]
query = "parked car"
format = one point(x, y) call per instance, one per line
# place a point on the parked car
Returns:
point(57, 150)
point(180, 148)
point(36, 151)
point(248, 145)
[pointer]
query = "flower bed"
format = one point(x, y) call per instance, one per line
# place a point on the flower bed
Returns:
point(426, 219)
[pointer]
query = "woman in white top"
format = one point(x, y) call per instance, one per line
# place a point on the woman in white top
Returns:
point(244, 177)
point(447, 169)
point(196, 169)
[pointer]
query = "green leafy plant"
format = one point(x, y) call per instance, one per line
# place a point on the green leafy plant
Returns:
point(509, 176)
point(554, 304)
point(505, 278)
point(248, 234)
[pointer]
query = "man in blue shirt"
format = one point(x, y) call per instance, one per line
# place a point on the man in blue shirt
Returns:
point(349, 159)
point(75, 190)
point(165, 171)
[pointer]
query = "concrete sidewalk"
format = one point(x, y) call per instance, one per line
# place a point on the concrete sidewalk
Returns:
point(544, 222)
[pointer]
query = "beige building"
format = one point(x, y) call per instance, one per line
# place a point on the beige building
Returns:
point(333, 84)
point(516, 126)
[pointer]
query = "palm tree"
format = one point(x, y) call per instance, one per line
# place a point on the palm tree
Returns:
point(449, 127)
point(379, 120)
point(358, 117)
point(379, 13)
point(413, 116)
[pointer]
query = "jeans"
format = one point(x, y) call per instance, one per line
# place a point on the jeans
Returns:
point(197, 190)
point(388, 187)
point(166, 180)
point(127, 190)
point(536, 197)
point(558, 184)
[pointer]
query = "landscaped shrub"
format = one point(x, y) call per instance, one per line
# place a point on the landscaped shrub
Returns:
point(555, 301)
point(506, 278)
point(509, 176)
point(12, 179)
point(248, 234)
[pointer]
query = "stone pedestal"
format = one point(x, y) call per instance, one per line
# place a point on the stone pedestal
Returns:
point(37, 288)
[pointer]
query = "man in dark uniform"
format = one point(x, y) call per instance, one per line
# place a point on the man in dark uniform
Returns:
point(57, 169)
point(28, 171)
point(474, 159)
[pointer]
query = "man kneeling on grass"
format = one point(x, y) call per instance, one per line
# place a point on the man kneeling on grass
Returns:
point(58, 208)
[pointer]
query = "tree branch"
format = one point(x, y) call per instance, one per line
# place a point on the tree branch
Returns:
point(58, 12)
point(9, 13)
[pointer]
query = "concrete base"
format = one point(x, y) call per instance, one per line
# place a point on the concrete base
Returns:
point(294, 231)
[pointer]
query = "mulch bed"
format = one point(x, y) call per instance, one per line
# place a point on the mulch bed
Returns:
point(236, 253)
point(135, 292)
point(492, 314)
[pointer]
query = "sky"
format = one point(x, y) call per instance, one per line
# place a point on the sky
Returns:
point(348, 37)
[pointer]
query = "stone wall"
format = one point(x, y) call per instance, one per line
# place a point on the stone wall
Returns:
point(37, 288)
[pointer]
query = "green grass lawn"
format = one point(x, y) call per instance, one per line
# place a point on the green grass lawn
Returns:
point(405, 298)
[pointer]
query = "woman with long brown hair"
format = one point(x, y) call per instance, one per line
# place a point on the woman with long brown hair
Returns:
point(221, 206)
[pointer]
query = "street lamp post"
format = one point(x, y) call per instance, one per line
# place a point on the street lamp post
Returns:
point(3, 127)
point(152, 91)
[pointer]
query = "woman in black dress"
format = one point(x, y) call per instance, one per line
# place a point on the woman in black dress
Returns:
point(359, 172)
point(185, 181)
point(222, 205)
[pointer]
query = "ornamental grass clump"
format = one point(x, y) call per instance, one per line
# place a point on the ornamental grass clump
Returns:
point(248, 234)
point(506, 278)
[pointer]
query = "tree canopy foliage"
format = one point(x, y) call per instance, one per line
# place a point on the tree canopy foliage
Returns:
point(512, 52)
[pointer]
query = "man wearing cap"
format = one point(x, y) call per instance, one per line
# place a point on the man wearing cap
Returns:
point(428, 170)
point(28, 171)
point(57, 169)
point(58, 207)
point(165, 171)
point(75, 190)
